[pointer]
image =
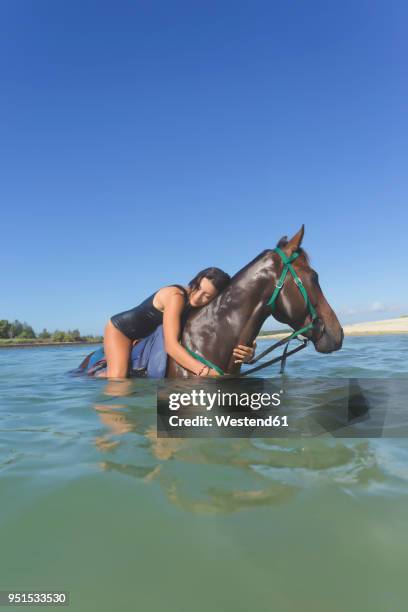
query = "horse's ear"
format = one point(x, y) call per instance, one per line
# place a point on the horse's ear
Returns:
point(282, 242)
point(295, 242)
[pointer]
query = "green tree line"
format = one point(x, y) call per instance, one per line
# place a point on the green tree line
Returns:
point(23, 331)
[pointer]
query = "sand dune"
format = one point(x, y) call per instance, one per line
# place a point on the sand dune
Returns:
point(387, 326)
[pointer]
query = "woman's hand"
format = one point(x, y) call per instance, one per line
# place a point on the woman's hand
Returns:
point(213, 373)
point(207, 371)
point(244, 353)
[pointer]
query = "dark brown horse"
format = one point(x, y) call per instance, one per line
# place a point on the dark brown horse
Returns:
point(236, 315)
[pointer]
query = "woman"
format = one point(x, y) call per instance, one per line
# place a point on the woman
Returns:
point(168, 306)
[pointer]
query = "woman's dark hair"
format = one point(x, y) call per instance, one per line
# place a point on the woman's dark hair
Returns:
point(218, 278)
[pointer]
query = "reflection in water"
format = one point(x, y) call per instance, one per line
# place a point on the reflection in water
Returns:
point(221, 476)
point(118, 388)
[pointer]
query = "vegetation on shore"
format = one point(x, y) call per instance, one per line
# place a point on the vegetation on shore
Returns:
point(16, 332)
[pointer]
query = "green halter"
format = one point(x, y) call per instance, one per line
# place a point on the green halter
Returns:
point(287, 266)
point(205, 361)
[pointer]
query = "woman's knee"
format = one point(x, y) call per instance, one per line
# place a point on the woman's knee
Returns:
point(117, 372)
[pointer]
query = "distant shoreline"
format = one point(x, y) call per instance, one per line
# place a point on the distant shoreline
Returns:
point(398, 326)
point(33, 344)
point(385, 327)
point(360, 333)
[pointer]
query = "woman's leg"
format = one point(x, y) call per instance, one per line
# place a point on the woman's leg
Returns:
point(117, 352)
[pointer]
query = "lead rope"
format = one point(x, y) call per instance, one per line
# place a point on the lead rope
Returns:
point(205, 361)
point(284, 357)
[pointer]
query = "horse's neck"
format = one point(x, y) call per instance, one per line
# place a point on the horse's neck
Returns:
point(246, 296)
point(242, 303)
point(234, 317)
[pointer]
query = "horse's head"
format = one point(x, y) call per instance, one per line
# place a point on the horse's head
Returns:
point(291, 307)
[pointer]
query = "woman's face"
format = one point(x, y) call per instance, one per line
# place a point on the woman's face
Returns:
point(203, 294)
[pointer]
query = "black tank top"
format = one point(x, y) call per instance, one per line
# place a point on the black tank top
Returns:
point(140, 321)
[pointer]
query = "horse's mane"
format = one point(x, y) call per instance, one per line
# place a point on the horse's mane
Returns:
point(282, 243)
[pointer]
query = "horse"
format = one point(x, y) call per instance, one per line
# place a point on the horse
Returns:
point(237, 314)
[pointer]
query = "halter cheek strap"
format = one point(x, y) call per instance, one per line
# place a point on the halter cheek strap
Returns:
point(287, 267)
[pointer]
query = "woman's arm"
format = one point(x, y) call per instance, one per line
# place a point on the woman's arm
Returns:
point(171, 331)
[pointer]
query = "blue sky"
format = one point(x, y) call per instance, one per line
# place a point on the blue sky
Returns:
point(143, 141)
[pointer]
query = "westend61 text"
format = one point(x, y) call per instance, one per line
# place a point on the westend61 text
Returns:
point(228, 421)
point(206, 400)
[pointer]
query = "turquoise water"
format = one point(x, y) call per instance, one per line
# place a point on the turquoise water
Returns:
point(93, 503)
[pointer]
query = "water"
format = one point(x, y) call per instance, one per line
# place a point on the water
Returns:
point(94, 504)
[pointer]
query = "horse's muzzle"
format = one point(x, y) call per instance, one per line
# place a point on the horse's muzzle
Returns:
point(329, 340)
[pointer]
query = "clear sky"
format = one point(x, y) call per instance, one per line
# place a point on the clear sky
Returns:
point(141, 141)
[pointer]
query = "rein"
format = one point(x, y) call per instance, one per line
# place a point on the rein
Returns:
point(287, 267)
